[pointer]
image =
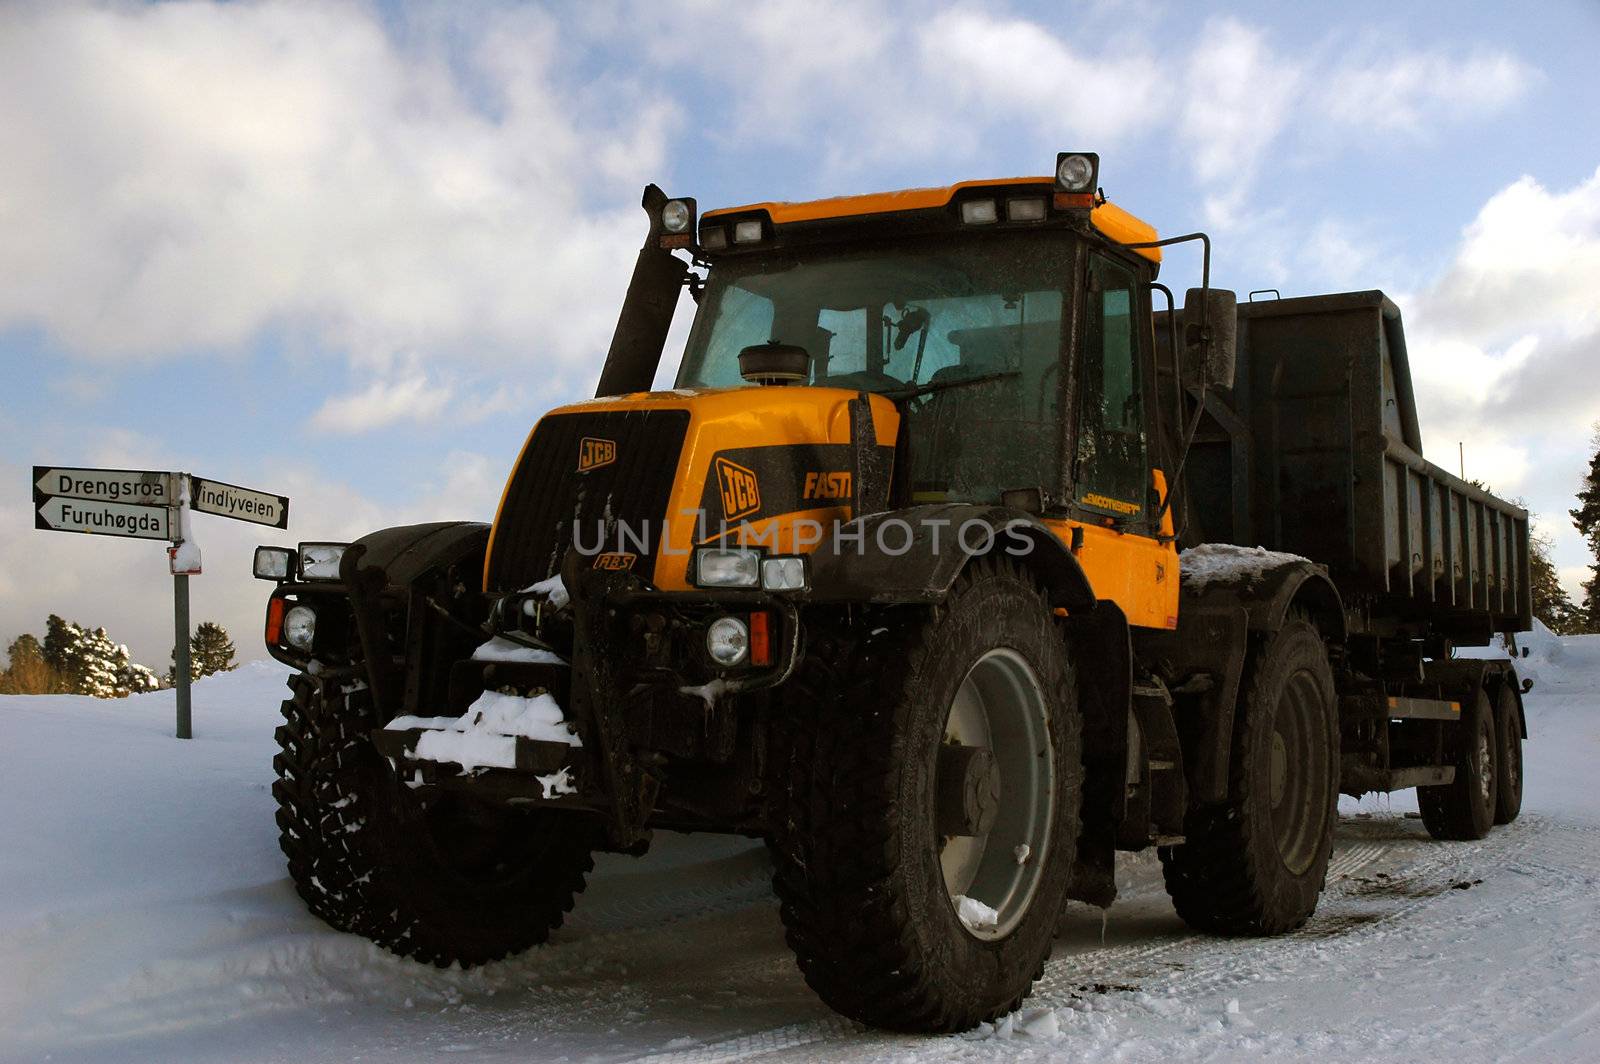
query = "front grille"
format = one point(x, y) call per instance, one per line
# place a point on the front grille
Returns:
point(549, 499)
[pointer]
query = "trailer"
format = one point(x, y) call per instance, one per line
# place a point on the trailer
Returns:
point(958, 559)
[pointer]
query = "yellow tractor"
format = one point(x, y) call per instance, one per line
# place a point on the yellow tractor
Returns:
point(891, 579)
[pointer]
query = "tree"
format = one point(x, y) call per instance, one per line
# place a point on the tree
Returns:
point(210, 651)
point(74, 660)
point(26, 672)
point(1587, 519)
point(63, 651)
point(1551, 603)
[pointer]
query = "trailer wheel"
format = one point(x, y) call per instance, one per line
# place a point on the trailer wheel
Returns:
point(444, 882)
point(1508, 730)
point(1465, 808)
point(1255, 863)
point(923, 757)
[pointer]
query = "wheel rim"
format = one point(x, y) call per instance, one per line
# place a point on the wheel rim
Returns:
point(1485, 756)
point(1299, 813)
point(1000, 706)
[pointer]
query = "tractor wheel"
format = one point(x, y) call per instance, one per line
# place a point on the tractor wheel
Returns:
point(442, 880)
point(1464, 808)
point(929, 775)
point(1508, 731)
point(1254, 864)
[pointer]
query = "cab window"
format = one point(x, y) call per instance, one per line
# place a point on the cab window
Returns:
point(1113, 473)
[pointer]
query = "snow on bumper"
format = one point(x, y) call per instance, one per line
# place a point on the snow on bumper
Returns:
point(500, 730)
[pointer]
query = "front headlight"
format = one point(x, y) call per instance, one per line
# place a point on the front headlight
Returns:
point(728, 641)
point(320, 561)
point(273, 563)
point(783, 574)
point(727, 567)
point(300, 627)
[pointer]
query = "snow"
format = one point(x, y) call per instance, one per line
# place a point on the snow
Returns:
point(553, 590)
point(1212, 563)
point(485, 736)
point(976, 915)
point(145, 915)
point(502, 649)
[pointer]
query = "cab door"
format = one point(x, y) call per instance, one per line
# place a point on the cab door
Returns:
point(1116, 491)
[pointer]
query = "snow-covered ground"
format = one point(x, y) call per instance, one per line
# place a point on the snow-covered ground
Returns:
point(145, 915)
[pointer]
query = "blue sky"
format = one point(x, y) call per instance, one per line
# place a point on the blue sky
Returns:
point(348, 252)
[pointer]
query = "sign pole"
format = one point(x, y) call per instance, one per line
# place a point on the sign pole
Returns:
point(180, 665)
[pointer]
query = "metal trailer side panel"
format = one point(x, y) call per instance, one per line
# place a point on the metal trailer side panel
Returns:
point(1337, 474)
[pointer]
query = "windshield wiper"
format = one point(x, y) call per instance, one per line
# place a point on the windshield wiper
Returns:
point(940, 386)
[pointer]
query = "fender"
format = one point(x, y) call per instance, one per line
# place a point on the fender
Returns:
point(384, 569)
point(1213, 638)
point(915, 554)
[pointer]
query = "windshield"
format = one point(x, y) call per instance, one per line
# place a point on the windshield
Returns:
point(966, 330)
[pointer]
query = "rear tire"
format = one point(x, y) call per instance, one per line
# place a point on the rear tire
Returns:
point(1508, 730)
point(1255, 863)
point(1464, 809)
point(442, 881)
point(866, 871)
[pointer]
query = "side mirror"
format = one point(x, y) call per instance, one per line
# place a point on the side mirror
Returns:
point(1209, 357)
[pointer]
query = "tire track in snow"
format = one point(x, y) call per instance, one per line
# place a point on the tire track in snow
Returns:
point(1062, 976)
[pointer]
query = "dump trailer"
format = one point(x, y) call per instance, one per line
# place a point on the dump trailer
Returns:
point(958, 558)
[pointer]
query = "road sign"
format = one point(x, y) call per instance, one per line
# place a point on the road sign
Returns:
point(104, 485)
point(241, 504)
point(103, 518)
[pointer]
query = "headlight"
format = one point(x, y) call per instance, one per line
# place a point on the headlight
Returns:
point(676, 216)
point(728, 641)
point(1075, 171)
point(714, 238)
point(320, 561)
point(783, 574)
point(725, 567)
point(747, 231)
point(300, 627)
point(273, 563)
point(978, 211)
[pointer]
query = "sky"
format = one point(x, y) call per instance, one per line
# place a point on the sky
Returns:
point(348, 252)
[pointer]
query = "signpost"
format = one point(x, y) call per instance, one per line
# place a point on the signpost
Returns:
point(146, 504)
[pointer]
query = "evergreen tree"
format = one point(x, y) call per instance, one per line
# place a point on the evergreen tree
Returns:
point(63, 645)
point(211, 650)
point(101, 664)
point(1587, 519)
point(1551, 603)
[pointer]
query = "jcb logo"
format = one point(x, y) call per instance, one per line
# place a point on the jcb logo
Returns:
point(740, 495)
point(827, 486)
point(594, 453)
point(615, 562)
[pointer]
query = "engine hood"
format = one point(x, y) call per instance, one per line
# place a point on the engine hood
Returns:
point(638, 481)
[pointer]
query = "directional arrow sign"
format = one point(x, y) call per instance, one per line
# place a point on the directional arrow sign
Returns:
point(241, 504)
point(104, 485)
point(103, 518)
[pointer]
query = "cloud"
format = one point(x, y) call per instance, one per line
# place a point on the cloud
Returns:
point(1412, 91)
point(409, 397)
point(1504, 346)
point(184, 177)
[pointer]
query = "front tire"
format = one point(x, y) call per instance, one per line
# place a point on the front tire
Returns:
point(1255, 863)
point(440, 880)
point(883, 732)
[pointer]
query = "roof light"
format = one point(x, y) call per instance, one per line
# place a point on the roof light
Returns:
point(1030, 209)
point(273, 563)
point(676, 216)
point(1077, 171)
point(978, 212)
point(713, 238)
point(747, 231)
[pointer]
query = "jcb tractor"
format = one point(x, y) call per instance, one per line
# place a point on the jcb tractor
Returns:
point(957, 559)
